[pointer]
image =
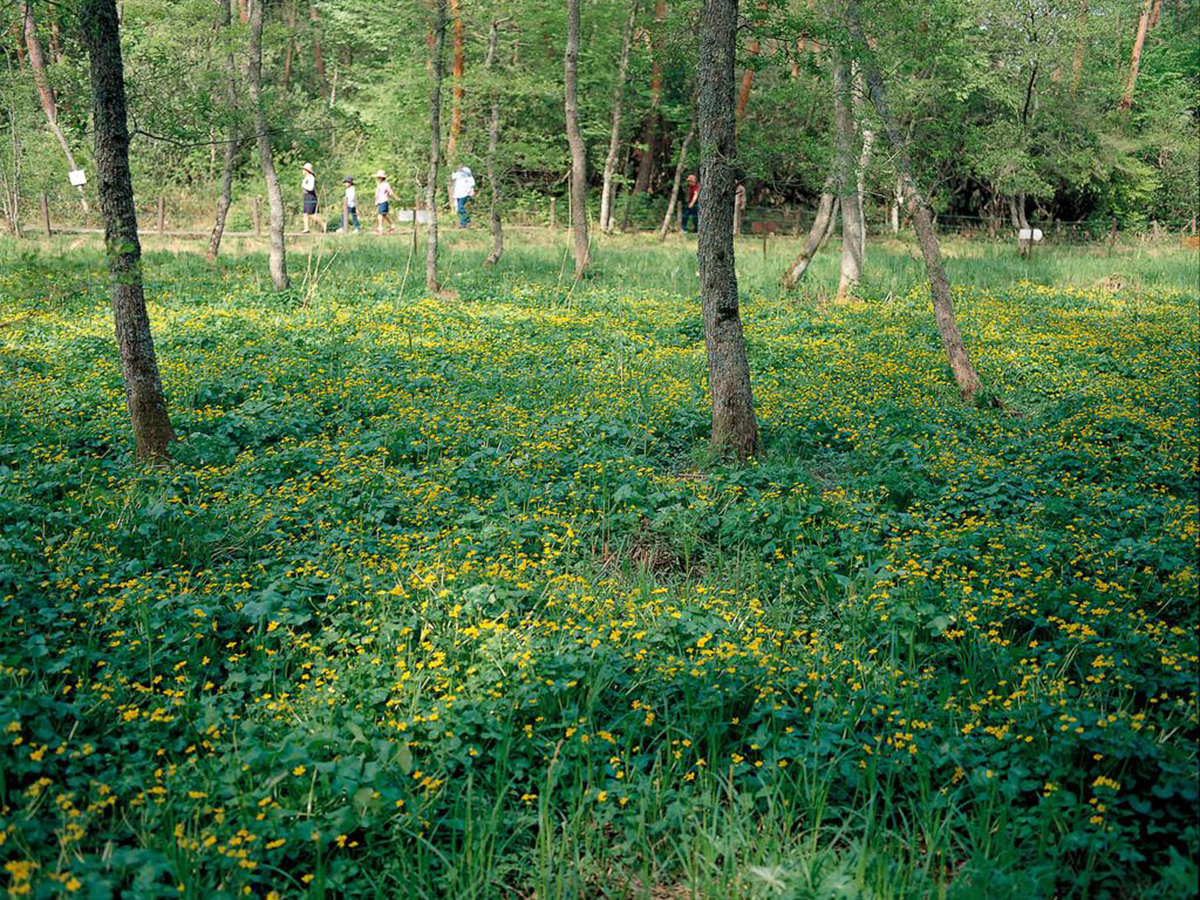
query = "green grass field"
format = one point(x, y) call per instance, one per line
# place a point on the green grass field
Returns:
point(444, 597)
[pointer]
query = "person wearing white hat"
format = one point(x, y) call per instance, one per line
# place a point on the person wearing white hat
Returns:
point(383, 196)
point(308, 185)
point(464, 190)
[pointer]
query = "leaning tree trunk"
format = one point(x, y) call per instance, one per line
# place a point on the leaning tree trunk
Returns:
point(821, 226)
point(152, 433)
point(232, 141)
point(734, 427)
point(278, 253)
point(965, 375)
point(845, 138)
point(1135, 58)
point(37, 64)
point(680, 165)
point(435, 144)
point(607, 188)
point(489, 64)
point(579, 228)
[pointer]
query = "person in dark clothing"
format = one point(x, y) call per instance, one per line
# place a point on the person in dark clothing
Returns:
point(691, 204)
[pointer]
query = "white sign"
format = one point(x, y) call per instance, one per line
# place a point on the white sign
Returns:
point(1030, 234)
point(77, 177)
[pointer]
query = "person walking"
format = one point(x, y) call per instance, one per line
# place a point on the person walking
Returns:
point(351, 210)
point(691, 205)
point(383, 196)
point(464, 190)
point(308, 186)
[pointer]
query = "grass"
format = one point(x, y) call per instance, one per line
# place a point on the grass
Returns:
point(443, 596)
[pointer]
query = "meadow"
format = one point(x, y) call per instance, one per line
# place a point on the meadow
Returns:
point(445, 597)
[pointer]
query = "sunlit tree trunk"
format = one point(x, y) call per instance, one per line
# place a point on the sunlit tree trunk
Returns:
point(277, 256)
point(608, 186)
point(232, 140)
point(152, 431)
point(964, 372)
point(457, 71)
point(734, 426)
point(821, 227)
point(747, 82)
point(489, 65)
point(435, 143)
point(845, 139)
point(37, 65)
point(1135, 58)
point(579, 228)
point(680, 165)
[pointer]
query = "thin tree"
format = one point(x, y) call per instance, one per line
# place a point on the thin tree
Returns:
point(435, 143)
point(489, 65)
point(37, 65)
point(277, 252)
point(314, 24)
point(822, 225)
point(680, 165)
point(608, 186)
point(233, 142)
point(650, 130)
point(457, 71)
point(578, 181)
point(964, 372)
point(152, 431)
point(734, 426)
point(1135, 58)
point(845, 138)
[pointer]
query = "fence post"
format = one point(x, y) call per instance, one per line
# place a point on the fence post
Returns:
point(46, 215)
point(162, 214)
point(254, 218)
point(679, 216)
point(553, 213)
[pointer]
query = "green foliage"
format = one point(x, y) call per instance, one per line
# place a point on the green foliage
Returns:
point(442, 597)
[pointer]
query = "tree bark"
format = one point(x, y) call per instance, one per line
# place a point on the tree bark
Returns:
point(457, 70)
point(37, 64)
point(965, 375)
point(232, 142)
point(864, 160)
point(845, 138)
point(747, 82)
point(1135, 58)
point(277, 252)
point(152, 431)
point(650, 131)
point(679, 167)
point(608, 187)
point(734, 426)
point(579, 228)
point(435, 144)
point(821, 226)
point(489, 65)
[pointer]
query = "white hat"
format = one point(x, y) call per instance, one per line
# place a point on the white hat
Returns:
point(307, 167)
point(381, 174)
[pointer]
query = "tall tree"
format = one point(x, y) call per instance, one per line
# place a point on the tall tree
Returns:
point(489, 65)
point(1135, 57)
point(608, 185)
point(964, 372)
point(578, 181)
point(277, 251)
point(233, 142)
point(845, 140)
point(41, 79)
point(457, 71)
point(152, 431)
point(734, 426)
point(650, 128)
point(314, 24)
point(436, 51)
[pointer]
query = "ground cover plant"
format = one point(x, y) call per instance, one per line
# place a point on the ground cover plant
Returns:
point(443, 598)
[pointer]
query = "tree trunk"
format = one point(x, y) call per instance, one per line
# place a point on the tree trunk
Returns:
point(1155, 13)
point(965, 375)
point(734, 427)
point(435, 144)
point(318, 56)
point(489, 64)
point(457, 70)
point(1080, 46)
point(1135, 58)
point(289, 50)
point(679, 167)
point(152, 432)
point(607, 188)
point(650, 136)
point(845, 138)
point(277, 251)
point(578, 192)
point(37, 64)
point(747, 82)
point(232, 142)
point(864, 160)
point(821, 226)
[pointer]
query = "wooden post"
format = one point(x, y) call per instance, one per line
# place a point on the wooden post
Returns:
point(46, 216)
point(255, 218)
point(679, 216)
point(162, 214)
point(553, 212)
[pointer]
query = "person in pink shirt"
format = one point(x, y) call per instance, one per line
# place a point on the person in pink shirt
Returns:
point(383, 197)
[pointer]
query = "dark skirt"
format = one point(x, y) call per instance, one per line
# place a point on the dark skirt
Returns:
point(310, 202)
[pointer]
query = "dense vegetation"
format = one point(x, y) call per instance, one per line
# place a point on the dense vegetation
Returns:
point(442, 598)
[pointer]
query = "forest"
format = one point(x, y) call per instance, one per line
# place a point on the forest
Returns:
point(649, 449)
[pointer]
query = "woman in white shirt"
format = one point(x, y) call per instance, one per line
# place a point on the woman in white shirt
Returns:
point(308, 184)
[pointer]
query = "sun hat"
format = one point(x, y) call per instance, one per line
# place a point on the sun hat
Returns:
point(307, 167)
point(349, 179)
point(381, 174)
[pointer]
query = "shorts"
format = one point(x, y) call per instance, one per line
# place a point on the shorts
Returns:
point(382, 207)
point(310, 203)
